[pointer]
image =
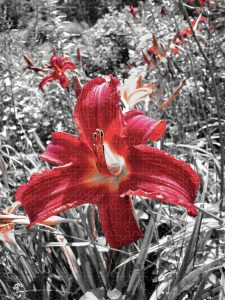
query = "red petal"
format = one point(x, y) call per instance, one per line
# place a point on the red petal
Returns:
point(98, 107)
point(55, 59)
point(140, 128)
point(54, 191)
point(64, 82)
point(132, 11)
point(65, 148)
point(158, 175)
point(203, 19)
point(68, 66)
point(46, 79)
point(117, 219)
point(175, 50)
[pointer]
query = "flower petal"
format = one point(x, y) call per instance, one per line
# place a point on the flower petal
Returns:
point(54, 59)
point(98, 108)
point(158, 175)
point(138, 95)
point(64, 82)
point(54, 191)
point(46, 79)
point(68, 66)
point(117, 219)
point(140, 128)
point(130, 85)
point(65, 148)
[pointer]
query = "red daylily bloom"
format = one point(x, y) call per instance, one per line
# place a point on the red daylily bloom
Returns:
point(186, 32)
point(106, 164)
point(60, 64)
point(156, 50)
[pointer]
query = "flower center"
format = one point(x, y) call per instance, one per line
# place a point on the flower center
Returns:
point(114, 162)
point(108, 163)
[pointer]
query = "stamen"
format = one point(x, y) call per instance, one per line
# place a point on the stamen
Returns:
point(94, 136)
point(107, 162)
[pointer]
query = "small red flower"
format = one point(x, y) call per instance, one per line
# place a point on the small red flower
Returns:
point(175, 50)
point(77, 86)
point(204, 2)
point(201, 2)
point(59, 64)
point(156, 50)
point(133, 12)
point(106, 164)
point(186, 32)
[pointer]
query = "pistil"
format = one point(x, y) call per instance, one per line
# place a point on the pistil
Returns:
point(107, 162)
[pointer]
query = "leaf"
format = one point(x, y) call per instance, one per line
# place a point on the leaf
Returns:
point(95, 294)
point(89, 296)
point(194, 277)
point(74, 244)
point(114, 294)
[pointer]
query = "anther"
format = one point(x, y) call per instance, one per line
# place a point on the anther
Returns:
point(95, 136)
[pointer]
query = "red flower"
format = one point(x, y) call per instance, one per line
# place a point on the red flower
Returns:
point(107, 164)
point(186, 32)
point(201, 2)
point(60, 64)
point(157, 51)
point(204, 2)
point(133, 12)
